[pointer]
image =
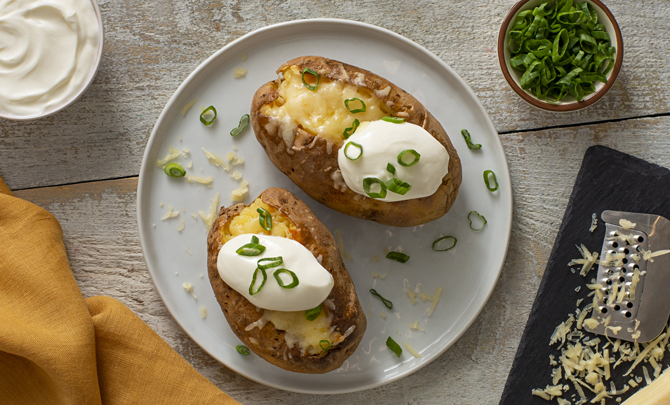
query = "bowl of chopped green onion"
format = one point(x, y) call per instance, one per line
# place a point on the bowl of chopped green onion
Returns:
point(560, 55)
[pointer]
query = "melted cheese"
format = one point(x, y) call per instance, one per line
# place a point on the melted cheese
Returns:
point(303, 333)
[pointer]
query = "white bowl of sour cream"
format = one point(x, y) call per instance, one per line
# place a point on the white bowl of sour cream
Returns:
point(50, 51)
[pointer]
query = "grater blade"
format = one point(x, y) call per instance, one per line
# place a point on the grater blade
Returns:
point(637, 314)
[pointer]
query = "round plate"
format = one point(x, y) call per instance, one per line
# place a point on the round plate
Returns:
point(467, 274)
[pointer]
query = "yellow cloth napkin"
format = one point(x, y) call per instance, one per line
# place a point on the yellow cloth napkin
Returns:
point(58, 348)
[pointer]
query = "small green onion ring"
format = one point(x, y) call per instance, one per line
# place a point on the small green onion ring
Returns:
point(367, 185)
point(312, 314)
point(394, 120)
point(174, 170)
point(254, 239)
point(294, 282)
point(273, 262)
point(243, 350)
point(398, 257)
point(468, 140)
point(358, 110)
point(398, 186)
point(350, 131)
point(325, 345)
point(309, 86)
point(480, 216)
point(391, 344)
point(437, 242)
point(265, 219)
point(390, 168)
point(488, 173)
point(250, 249)
point(244, 121)
point(386, 302)
point(204, 112)
point(402, 154)
point(253, 281)
point(355, 145)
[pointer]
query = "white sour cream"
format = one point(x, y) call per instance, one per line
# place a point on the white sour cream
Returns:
point(382, 142)
point(315, 282)
point(47, 51)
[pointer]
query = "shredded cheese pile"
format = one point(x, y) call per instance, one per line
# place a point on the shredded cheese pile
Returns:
point(587, 261)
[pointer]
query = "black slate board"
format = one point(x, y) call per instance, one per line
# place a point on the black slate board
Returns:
point(607, 180)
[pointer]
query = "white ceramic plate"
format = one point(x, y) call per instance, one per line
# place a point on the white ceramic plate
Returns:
point(467, 273)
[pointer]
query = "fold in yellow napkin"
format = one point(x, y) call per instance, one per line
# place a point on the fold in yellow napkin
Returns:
point(58, 348)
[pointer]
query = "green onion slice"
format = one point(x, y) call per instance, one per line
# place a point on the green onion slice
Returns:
point(313, 73)
point(395, 120)
point(312, 314)
point(437, 243)
point(243, 350)
point(350, 131)
point(488, 173)
point(294, 283)
point(358, 110)
point(398, 186)
point(410, 153)
point(265, 219)
point(254, 239)
point(368, 182)
point(480, 216)
point(398, 257)
point(468, 140)
point(206, 113)
point(250, 249)
point(353, 155)
point(252, 290)
point(244, 121)
point(390, 168)
point(271, 262)
point(386, 302)
point(325, 345)
point(391, 344)
point(175, 170)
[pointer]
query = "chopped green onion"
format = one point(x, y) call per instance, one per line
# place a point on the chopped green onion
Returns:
point(325, 345)
point(358, 110)
point(408, 152)
point(175, 170)
point(391, 344)
point(206, 113)
point(350, 131)
point(311, 72)
point(468, 140)
point(390, 168)
point(254, 239)
point(398, 186)
point(480, 216)
point(386, 302)
point(243, 350)
point(253, 291)
point(312, 314)
point(368, 182)
point(398, 257)
point(272, 262)
point(244, 121)
point(395, 120)
point(250, 249)
point(294, 283)
point(265, 219)
point(356, 156)
point(488, 173)
point(437, 242)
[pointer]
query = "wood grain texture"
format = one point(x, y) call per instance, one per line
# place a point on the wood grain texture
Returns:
point(151, 47)
point(101, 236)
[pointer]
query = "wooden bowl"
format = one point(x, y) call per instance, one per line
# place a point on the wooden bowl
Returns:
point(569, 103)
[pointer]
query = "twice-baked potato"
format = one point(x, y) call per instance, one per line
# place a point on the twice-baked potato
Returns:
point(287, 339)
point(302, 129)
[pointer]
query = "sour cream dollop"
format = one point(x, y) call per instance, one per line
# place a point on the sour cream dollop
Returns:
point(382, 142)
point(315, 282)
point(47, 51)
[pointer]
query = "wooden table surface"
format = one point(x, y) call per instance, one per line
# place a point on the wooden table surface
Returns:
point(82, 164)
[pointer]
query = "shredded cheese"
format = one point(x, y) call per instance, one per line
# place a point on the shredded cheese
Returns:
point(189, 288)
point(435, 300)
point(233, 159)
point(239, 72)
point(203, 312)
point(626, 224)
point(173, 154)
point(416, 326)
point(202, 180)
point(208, 219)
point(649, 255)
point(170, 214)
point(181, 226)
point(216, 160)
point(594, 222)
point(238, 195)
point(188, 106)
point(411, 350)
point(587, 261)
point(412, 295)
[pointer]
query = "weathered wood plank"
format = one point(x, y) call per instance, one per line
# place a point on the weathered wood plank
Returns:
point(151, 47)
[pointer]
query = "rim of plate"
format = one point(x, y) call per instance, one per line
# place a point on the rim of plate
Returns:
point(319, 22)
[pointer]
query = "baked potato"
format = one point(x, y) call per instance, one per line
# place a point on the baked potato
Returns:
point(287, 339)
point(302, 130)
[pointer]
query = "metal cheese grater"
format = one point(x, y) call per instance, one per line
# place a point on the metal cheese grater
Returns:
point(650, 303)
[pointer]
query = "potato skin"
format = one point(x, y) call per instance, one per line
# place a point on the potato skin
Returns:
point(239, 312)
point(306, 166)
